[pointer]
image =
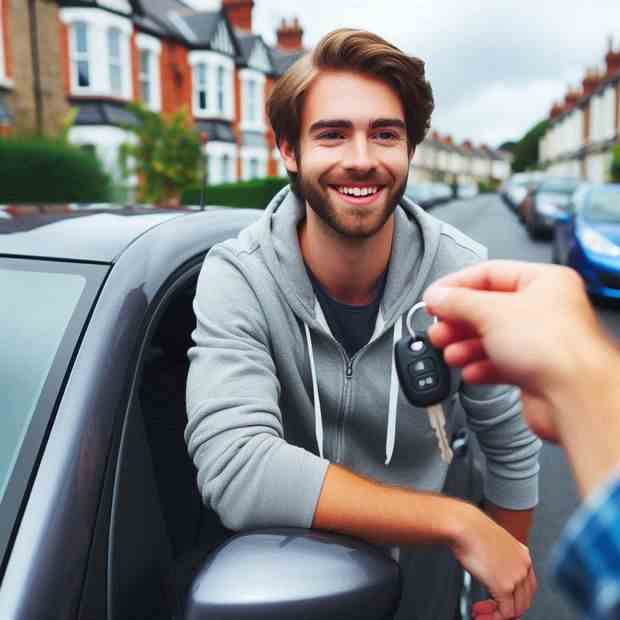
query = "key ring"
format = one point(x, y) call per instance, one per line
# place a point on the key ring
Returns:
point(416, 307)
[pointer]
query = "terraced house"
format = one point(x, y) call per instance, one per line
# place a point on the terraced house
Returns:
point(584, 127)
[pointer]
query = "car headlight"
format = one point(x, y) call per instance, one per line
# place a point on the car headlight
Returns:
point(598, 244)
point(547, 208)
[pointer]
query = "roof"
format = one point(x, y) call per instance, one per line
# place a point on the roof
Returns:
point(203, 24)
point(103, 113)
point(283, 60)
point(96, 234)
point(217, 131)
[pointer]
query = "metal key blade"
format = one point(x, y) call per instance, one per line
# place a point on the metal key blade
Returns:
point(438, 422)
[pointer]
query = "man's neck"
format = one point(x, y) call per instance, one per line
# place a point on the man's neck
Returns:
point(349, 269)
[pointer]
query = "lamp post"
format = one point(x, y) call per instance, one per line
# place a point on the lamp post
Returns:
point(204, 138)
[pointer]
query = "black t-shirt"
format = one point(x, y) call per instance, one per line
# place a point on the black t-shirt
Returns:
point(352, 326)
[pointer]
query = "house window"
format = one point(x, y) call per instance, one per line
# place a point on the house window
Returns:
point(253, 166)
point(221, 78)
point(146, 85)
point(115, 61)
point(200, 78)
point(225, 176)
point(80, 60)
point(251, 101)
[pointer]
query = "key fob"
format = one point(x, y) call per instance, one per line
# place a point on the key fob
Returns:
point(423, 374)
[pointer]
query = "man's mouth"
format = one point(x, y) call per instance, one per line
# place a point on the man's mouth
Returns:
point(358, 194)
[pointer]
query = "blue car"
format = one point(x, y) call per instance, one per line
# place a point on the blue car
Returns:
point(587, 238)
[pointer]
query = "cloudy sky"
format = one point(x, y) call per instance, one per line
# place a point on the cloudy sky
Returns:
point(496, 66)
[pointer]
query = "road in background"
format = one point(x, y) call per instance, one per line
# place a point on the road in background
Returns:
point(489, 221)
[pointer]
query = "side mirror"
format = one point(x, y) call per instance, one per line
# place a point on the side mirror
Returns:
point(563, 217)
point(290, 574)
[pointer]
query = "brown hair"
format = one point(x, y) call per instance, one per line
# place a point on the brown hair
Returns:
point(357, 51)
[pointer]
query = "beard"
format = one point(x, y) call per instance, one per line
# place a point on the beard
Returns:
point(351, 222)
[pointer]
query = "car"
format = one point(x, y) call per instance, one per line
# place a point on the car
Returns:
point(587, 238)
point(467, 190)
point(422, 194)
point(100, 515)
point(514, 190)
point(545, 203)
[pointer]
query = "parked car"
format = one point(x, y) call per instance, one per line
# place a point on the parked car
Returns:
point(422, 194)
point(515, 189)
point(587, 238)
point(545, 203)
point(466, 190)
point(100, 516)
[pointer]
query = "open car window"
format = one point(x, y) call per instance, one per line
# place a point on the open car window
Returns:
point(44, 310)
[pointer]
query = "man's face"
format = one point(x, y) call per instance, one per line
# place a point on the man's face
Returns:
point(353, 160)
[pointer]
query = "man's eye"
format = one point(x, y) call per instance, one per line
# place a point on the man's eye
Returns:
point(387, 135)
point(331, 135)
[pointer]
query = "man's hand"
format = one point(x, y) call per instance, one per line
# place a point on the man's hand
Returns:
point(519, 323)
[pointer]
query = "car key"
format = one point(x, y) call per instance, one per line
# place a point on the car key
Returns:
point(425, 380)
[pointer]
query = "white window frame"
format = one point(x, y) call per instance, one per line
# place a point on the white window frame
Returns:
point(3, 69)
point(216, 151)
point(115, 62)
point(250, 153)
point(152, 46)
point(248, 77)
point(99, 22)
point(215, 63)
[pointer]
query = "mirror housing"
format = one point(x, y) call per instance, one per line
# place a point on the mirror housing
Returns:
point(295, 574)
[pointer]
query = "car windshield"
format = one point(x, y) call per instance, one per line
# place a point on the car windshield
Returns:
point(44, 308)
point(565, 187)
point(604, 205)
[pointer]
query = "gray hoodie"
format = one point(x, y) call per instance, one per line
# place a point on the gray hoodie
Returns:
point(272, 397)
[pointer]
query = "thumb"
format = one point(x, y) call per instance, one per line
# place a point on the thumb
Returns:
point(461, 305)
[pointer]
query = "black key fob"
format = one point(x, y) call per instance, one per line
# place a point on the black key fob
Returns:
point(423, 374)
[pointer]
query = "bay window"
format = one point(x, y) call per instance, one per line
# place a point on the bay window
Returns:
point(115, 66)
point(201, 77)
point(212, 84)
point(252, 100)
point(149, 79)
point(80, 58)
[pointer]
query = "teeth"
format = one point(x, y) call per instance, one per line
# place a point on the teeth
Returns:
point(358, 191)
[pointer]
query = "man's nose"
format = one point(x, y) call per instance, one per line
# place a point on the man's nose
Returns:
point(359, 156)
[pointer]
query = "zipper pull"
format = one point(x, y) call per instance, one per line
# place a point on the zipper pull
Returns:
point(349, 370)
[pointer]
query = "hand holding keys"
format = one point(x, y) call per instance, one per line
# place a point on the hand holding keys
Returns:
point(425, 379)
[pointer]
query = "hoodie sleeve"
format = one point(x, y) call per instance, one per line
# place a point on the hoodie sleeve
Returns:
point(247, 472)
point(511, 449)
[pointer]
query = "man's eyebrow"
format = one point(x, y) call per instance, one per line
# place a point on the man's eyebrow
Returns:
point(335, 123)
point(387, 122)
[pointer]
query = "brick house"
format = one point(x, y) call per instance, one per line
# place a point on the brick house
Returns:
point(31, 94)
point(584, 127)
point(167, 55)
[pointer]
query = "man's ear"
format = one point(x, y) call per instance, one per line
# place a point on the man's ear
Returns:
point(287, 153)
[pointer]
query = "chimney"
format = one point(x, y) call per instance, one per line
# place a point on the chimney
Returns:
point(467, 144)
point(590, 82)
point(612, 59)
point(435, 136)
point(448, 139)
point(556, 110)
point(239, 12)
point(290, 36)
point(571, 98)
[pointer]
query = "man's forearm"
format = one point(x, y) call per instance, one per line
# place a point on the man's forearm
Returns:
point(517, 522)
point(351, 504)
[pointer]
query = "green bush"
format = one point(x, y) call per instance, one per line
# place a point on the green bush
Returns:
point(489, 186)
point(254, 194)
point(43, 170)
point(614, 169)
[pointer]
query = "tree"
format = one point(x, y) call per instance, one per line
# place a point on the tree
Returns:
point(526, 150)
point(165, 156)
point(615, 164)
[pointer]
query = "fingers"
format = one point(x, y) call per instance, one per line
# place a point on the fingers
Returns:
point(465, 352)
point(493, 275)
point(484, 372)
point(442, 334)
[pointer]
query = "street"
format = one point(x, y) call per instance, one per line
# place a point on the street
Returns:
point(489, 221)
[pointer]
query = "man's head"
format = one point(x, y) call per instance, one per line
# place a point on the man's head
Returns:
point(347, 118)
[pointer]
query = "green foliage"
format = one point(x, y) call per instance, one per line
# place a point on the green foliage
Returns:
point(254, 194)
point(45, 170)
point(614, 169)
point(487, 187)
point(526, 150)
point(166, 155)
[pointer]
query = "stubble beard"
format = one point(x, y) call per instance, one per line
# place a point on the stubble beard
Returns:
point(366, 223)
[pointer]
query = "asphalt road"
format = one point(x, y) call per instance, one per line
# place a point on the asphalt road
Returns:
point(487, 220)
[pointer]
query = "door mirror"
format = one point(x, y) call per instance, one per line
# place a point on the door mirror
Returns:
point(291, 573)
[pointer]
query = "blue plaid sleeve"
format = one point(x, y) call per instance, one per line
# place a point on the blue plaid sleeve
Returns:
point(586, 561)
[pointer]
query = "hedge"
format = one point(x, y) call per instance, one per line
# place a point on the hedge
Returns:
point(43, 170)
point(254, 194)
point(614, 169)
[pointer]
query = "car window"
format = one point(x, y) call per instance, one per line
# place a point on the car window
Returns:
point(44, 309)
point(604, 206)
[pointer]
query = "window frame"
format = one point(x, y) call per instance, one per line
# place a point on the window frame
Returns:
point(219, 81)
point(201, 87)
point(76, 56)
point(115, 62)
point(151, 46)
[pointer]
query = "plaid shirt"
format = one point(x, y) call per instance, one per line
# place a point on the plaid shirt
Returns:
point(586, 561)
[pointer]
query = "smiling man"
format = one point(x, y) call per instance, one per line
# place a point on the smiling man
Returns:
point(295, 414)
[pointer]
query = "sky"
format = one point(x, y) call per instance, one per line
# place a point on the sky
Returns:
point(496, 66)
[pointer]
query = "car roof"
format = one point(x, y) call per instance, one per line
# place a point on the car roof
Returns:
point(95, 233)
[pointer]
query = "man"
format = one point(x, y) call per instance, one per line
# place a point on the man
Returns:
point(499, 321)
point(295, 416)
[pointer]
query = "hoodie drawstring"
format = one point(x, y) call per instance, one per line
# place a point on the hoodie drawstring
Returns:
point(392, 407)
point(318, 418)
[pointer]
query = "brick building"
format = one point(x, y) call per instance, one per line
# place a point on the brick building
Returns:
point(584, 127)
point(31, 92)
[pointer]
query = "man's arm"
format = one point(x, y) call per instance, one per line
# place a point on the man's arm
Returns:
point(517, 522)
point(351, 504)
